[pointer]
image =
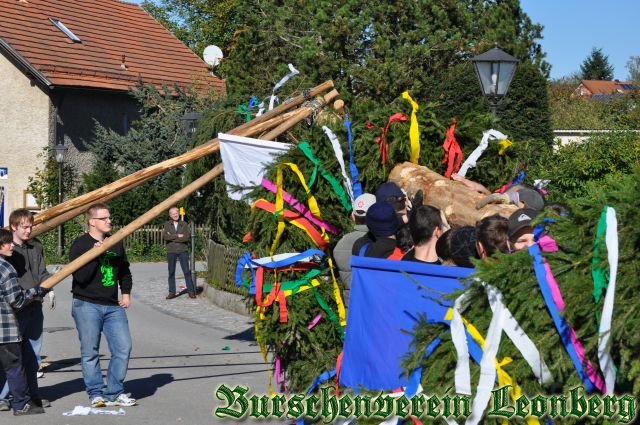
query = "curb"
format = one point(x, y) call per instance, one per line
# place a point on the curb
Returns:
point(226, 300)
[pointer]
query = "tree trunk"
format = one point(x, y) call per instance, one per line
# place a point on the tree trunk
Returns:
point(456, 200)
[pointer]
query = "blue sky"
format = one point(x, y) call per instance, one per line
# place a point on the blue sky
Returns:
point(573, 27)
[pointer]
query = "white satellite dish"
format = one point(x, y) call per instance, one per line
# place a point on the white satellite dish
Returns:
point(212, 55)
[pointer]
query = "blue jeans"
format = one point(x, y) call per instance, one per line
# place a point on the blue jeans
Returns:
point(92, 320)
point(30, 323)
point(184, 265)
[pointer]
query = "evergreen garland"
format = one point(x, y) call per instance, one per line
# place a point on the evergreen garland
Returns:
point(513, 275)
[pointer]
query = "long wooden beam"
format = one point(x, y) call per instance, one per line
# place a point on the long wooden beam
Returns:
point(132, 227)
point(196, 153)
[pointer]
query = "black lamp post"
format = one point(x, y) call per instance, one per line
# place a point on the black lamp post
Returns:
point(190, 124)
point(60, 151)
point(495, 70)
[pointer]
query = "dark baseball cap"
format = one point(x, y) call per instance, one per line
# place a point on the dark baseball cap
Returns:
point(520, 219)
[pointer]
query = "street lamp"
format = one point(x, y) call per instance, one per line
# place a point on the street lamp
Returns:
point(191, 123)
point(495, 70)
point(60, 151)
point(191, 119)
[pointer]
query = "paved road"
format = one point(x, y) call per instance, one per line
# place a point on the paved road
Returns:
point(183, 350)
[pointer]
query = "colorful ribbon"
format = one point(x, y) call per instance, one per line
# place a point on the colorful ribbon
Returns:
point(305, 147)
point(452, 153)
point(568, 336)
point(319, 239)
point(504, 145)
point(355, 175)
point(519, 178)
point(300, 207)
point(604, 335)
point(414, 131)
point(382, 140)
point(337, 150)
point(598, 273)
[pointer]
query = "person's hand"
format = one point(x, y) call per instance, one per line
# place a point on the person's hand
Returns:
point(125, 301)
point(180, 235)
point(457, 177)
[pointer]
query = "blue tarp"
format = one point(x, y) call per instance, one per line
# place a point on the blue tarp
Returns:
point(385, 302)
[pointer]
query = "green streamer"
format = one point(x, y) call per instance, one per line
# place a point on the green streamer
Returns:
point(330, 313)
point(599, 275)
point(335, 185)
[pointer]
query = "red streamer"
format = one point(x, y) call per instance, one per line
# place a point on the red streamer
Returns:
point(452, 153)
point(382, 140)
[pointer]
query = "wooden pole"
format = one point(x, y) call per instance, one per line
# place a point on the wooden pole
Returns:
point(132, 227)
point(196, 153)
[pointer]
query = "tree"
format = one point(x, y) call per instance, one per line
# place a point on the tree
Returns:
point(197, 23)
point(596, 66)
point(633, 66)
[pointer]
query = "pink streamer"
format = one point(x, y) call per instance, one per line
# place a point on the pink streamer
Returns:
point(314, 321)
point(598, 382)
point(277, 372)
point(300, 207)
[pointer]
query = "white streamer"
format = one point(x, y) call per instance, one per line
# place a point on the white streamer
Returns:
point(284, 79)
point(604, 355)
point(487, 365)
point(484, 143)
point(459, 339)
point(337, 149)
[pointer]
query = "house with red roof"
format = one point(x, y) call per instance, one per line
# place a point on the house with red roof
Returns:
point(603, 89)
point(66, 63)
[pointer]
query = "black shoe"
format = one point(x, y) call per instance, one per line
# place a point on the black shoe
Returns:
point(42, 402)
point(192, 294)
point(171, 296)
point(29, 409)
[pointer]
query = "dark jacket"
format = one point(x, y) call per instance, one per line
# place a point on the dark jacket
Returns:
point(175, 244)
point(28, 260)
point(97, 281)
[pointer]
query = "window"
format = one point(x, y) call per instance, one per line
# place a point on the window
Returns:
point(65, 30)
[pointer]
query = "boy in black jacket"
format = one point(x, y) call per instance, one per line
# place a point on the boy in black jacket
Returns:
point(96, 309)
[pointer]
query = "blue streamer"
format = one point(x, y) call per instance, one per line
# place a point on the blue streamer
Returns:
point(247, 261)
point(558, 320)
point(355, 175)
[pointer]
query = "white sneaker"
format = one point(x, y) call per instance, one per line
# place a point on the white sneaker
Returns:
point(123, 400)
point(98, 402)
point(39, 374)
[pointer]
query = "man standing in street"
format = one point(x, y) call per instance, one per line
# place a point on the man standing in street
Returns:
point(96, 309)
point(176, 234)
point(28, 261)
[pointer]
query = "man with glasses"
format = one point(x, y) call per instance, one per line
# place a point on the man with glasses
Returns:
point(176, 234)
point(28, 261)
point(96, 309)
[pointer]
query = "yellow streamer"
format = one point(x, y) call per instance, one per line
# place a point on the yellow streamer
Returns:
point(336, 293)
point(504, 145)
point(313, 204)
point(414, 131)
point(503, 377)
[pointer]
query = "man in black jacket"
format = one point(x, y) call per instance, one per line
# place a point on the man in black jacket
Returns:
point(176, 234)
point(96, 309)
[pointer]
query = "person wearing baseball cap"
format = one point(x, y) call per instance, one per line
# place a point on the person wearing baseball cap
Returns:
point(383, 224)
point(520, 228)
point(392, 194)
point(342, 250)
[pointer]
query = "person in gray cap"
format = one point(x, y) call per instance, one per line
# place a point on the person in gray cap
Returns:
point(342, 250)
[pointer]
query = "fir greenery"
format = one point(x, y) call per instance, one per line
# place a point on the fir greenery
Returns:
point(596, 66)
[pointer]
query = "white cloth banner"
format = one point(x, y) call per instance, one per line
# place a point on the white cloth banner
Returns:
point(245, 160)
point(604, 336)
point(284, 79)
point(484, 143)
point(337, 150)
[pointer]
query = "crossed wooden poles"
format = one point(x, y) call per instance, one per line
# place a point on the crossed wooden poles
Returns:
point(267, 127)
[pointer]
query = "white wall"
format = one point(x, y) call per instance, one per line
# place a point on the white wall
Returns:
point(24, 132)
